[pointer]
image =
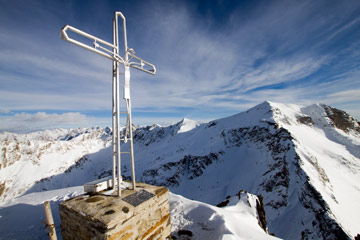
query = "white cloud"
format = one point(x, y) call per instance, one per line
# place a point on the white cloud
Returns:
point(344, 96)
point(4, 110)
point(26, 122)
point(33, 100)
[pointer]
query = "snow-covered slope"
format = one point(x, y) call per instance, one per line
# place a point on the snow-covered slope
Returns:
point(21, 218)
point(304, 161)
point(327, 142)
point(238, 220)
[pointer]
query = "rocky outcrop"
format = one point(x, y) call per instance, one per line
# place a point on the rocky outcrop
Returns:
point(341, 119)
point(189, 166)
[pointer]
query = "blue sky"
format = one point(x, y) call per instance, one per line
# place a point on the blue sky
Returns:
point(213, 59)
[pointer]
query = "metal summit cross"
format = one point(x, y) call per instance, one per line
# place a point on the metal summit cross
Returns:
point(111, 51)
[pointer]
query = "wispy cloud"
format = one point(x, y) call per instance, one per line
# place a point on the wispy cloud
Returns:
point(25, 122)
point(4, 110)
point(343, 28)
point(268, 49)
point(279, 71)
point(37, 101)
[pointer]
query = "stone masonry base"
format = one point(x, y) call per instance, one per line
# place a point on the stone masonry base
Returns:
point(141, 214)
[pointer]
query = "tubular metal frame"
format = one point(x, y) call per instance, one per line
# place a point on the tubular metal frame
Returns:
point(111, 51)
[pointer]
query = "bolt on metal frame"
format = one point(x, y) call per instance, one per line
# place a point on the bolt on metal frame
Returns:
point(111, 51)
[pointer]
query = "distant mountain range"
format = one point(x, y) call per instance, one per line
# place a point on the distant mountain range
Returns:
point(303, 161)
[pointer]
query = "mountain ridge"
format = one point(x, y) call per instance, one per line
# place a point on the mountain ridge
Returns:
point(296, 157)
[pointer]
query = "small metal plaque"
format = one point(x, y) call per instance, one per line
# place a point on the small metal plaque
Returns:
point(139, 197)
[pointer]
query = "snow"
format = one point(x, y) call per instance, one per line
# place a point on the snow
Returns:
point(328, 160)
point(187, 125)
point(21, 218)
point(28, 158)
point(328, 156)
point(237, 221)
point(333, 169)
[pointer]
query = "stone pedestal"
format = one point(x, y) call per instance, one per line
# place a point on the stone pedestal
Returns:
point(141, 214)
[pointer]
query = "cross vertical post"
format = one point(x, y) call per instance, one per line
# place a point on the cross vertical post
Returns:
point(127, 98)
point(114, 128)
point(118, 150)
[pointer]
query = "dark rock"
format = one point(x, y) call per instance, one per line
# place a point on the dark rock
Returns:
point(185, 232)
point(261, 212)
point(211, 124)
point(305, 120)
point(341, 119)
point(223, 204)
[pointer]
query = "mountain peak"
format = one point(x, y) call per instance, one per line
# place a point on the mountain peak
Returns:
point(186, 125)
point(264, 112)
point(266, 105)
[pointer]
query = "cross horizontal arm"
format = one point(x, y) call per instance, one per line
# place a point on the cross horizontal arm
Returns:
point(103, 51)
point(141, 65)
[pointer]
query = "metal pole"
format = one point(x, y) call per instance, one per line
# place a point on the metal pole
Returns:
point(125, 37)
point(131, 144)
point(118, 109)
point(114, 112)
point(50, 226)
point(105, 52)
point(127, 97)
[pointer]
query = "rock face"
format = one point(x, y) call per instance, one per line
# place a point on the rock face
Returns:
point(141, 214)
point(341, 119)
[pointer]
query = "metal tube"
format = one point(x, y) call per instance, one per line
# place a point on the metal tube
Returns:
point(64, 36)
point(127, 100)
point(142, 63)
point(114, 112)
point(128, 103)
point(143, 69)
point(90, 48)
point(78, 31)
point(125, 37)
point(118, 109)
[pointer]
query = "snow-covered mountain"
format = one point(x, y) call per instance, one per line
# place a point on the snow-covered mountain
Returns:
point(303, 161)
point(26, 159)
